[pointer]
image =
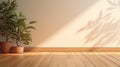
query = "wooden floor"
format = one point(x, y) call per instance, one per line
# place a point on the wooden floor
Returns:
point(61, 59)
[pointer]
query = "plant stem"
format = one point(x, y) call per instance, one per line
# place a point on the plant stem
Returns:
point(17, 43)
point(6, 39)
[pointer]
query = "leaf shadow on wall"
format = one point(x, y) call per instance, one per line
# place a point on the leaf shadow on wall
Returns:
point(105, 29)
point(55, 16)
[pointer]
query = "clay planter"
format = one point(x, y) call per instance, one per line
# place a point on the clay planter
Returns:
point(17, 49)
point(0, 47)
point(5, 47)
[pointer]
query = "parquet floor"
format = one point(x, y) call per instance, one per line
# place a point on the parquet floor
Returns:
point(61, 59)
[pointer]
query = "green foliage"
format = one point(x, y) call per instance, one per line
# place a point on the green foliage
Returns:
point(22, 31)
point(13, 25)
point(7, 13)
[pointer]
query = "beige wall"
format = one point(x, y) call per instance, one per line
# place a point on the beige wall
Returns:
point(73, 23)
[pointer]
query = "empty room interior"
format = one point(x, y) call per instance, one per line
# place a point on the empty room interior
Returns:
point(59, 33)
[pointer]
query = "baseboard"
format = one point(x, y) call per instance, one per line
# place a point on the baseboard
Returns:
point(72, 49)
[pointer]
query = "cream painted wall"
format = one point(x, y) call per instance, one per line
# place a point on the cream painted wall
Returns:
point(52, 16)
point(73, 23)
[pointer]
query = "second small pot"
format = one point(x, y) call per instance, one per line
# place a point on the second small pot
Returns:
point(17, 49)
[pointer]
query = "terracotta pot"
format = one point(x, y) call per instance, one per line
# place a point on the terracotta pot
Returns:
point(17, 49)
point(5, 47)
point(0, 46)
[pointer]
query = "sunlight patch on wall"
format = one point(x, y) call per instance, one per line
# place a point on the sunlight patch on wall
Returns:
point(70, 36)
point(105, 29)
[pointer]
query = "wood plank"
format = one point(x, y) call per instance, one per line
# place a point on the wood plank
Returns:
point(45, 62)
point(113, 59)
point(54, 62)
point(70, 60)
point(61, 59)
point(77, 60)
point(39, 59)
point(108, 62)
point(115, 56)
point(94, 59)
point(86, 61)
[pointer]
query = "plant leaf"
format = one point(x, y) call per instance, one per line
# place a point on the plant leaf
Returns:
point(21, 15)
point(32, 22)
point(30, 27)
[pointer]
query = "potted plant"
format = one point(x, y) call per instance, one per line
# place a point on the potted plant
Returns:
point(21, 33)
point(13, 27)
point(7, 13)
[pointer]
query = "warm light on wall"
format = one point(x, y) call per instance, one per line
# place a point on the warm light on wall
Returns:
point(93, 26)
point(68, 35)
